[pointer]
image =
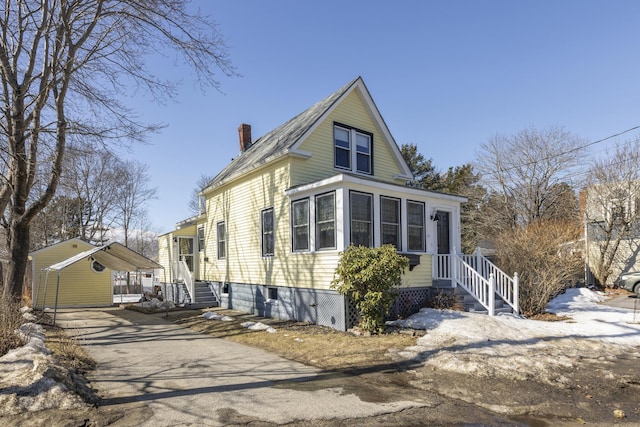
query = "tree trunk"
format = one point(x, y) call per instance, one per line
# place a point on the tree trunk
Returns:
point(19, 249)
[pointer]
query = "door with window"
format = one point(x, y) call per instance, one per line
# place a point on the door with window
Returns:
point(444, 245)
point(185, 248)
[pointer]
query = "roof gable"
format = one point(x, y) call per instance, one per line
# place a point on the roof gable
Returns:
point(74, 240)
point(286, 139)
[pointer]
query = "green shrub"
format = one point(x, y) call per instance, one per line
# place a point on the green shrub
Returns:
point(369, 277)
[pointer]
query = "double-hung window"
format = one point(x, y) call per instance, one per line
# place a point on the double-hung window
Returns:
point(268, 243)
point(222, 240)
point(361, 219)
point(353, 149)
point(300, 225)
point(200, 238)
point(326, 221)
point(390, 221)
point(415, 226)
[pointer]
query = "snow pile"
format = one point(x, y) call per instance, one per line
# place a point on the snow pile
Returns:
point(512, 347)
point(210, 315)
point(156, 304)
point(30, 379)
point(259, 326)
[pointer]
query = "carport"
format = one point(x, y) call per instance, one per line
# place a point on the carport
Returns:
point(114, 256)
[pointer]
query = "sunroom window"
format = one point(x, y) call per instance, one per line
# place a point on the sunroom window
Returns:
point(415, 226)
point(390, 221)
point(300, 225)
point(326, 221)
point(361, 219)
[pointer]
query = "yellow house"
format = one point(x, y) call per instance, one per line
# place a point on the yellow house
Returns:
point(274, 221)
point(86, 284)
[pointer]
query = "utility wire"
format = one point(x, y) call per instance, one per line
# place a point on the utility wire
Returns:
point(580, 147)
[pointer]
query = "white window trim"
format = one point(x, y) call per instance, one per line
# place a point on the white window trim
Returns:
point(353, 149)
point(372, 222)
point(224, 240)
point(309, 247)
point(263, 253)
point(398, 201)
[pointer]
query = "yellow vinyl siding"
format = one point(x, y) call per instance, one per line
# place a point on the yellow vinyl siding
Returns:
point(240, 206)
point(79, 284)
point(351, 112)
point(420, 275)
point(165, 256)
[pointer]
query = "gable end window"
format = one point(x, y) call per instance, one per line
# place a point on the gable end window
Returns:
point(353, 149)
point(326, 221)
point(361, 219)
point(300, 225)
point(222, 242)
point(268, 244)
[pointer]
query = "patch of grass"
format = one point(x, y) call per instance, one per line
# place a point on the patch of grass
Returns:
point(10, 320)
point(68, 350)
point(549, 317)
point(319, 346)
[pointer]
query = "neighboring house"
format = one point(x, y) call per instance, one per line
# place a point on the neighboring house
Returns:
point(85, 284)
point(612, 230)
point(277, 217)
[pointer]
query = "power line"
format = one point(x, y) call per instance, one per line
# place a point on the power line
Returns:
point(578, 148)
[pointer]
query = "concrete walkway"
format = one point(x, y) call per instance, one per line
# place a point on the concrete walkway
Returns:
point(187, 378)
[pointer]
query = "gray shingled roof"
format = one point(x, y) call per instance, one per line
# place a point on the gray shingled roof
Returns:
point(277, 143)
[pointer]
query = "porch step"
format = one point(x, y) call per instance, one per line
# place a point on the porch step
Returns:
point(472, 305)
point(204, 297)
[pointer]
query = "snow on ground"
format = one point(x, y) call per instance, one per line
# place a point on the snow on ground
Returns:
point(30, 380)
point(512, 347)
point(502, 346)
point(126, 298)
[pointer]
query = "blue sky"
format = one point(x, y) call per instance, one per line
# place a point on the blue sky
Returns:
point(446, 75)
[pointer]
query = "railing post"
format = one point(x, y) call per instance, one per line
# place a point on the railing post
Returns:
point(516, 293)
point(479, 263)
point(492, 295)
point(453, 267)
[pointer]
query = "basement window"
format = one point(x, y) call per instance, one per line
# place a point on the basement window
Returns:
point(272, 294)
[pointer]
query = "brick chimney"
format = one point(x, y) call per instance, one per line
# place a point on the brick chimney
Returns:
point(244, 132)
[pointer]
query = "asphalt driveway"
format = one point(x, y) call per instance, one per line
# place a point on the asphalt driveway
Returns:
point(181, 377)
point(629, 301)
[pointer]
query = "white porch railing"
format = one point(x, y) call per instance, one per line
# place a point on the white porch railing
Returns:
point(478, 276)
point(183, 273)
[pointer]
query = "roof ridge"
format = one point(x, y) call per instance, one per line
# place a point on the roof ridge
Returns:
point(275, 143)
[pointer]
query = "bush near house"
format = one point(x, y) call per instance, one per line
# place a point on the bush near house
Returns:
point(369, 277)
point(545, 256)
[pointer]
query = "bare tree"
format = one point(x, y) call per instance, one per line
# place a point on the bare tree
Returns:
point(65, 67)
point(196, 202)
point(91, 176)
point(612, 212)
point(132, 192)
point(528, 176)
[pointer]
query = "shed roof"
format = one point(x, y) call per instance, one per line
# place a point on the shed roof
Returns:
point(114, 256)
